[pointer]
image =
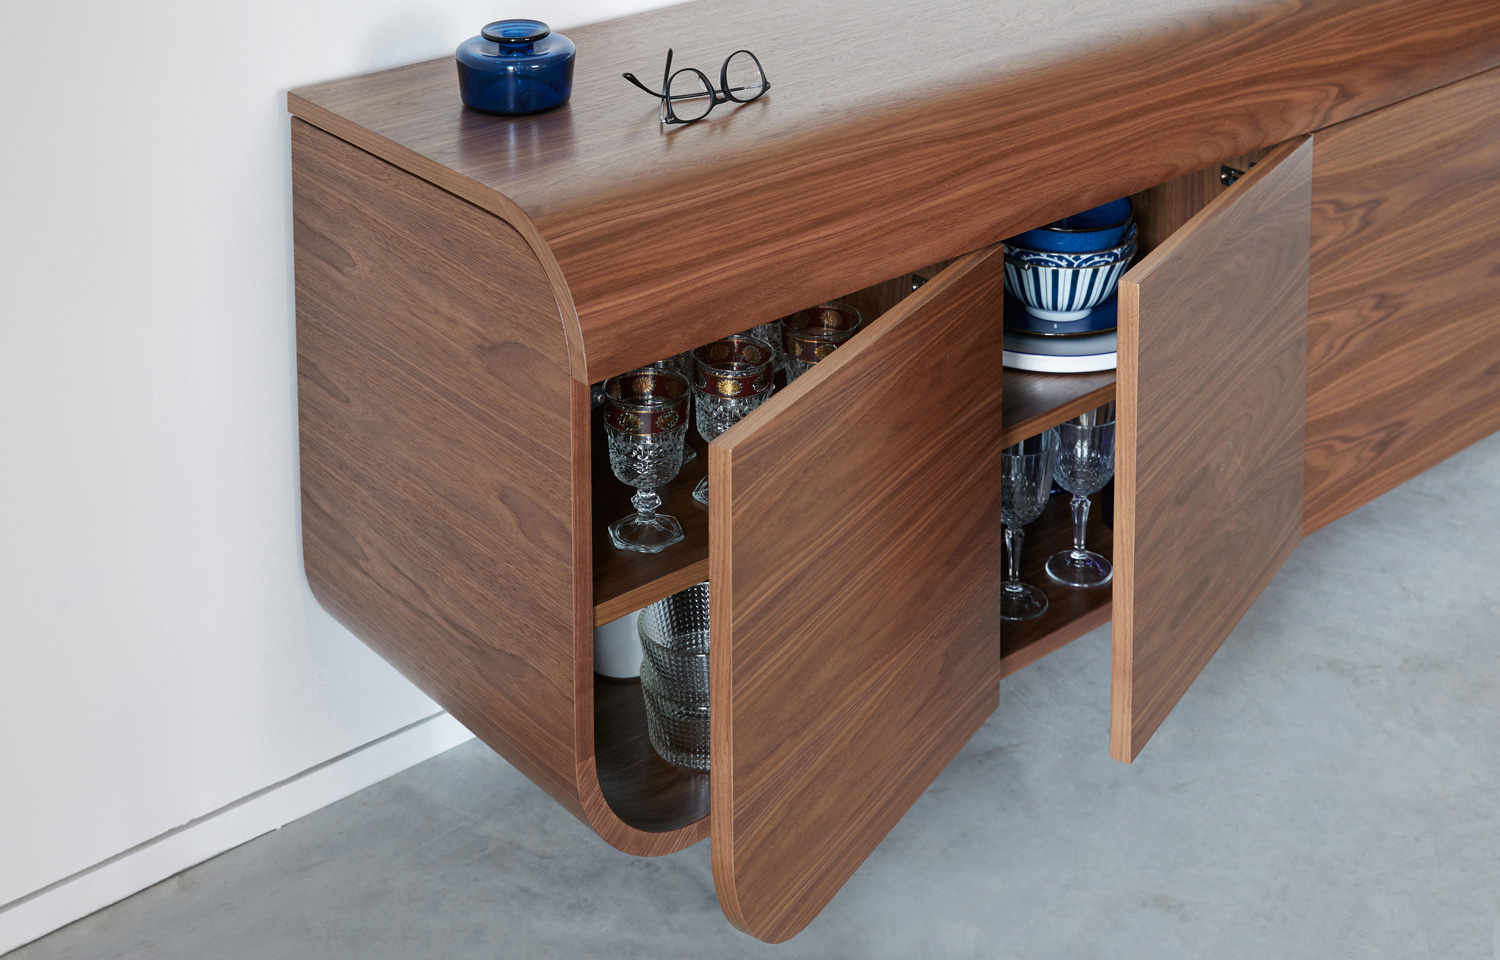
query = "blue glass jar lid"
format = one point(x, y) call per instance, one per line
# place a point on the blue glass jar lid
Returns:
point(515, 33)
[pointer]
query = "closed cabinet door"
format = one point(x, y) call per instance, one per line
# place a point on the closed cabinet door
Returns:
point(1404, 332)
point(1211, 409)
point(856, 562)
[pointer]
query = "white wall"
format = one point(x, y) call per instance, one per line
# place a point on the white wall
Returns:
point(160, 654)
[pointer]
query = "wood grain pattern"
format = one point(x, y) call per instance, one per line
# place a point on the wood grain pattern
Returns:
point(444, 464)
point(877, 299)
point(629, 581)
point(624, 582)
point(1212, 381)
point(1403, 366)
point(643, 789)
point(1167, 207)
point(1071, 612)
point(854, 552)
point(1042, 110)
point(1036, 401)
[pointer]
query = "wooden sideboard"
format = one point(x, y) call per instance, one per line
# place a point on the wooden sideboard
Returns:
point(1290, 347)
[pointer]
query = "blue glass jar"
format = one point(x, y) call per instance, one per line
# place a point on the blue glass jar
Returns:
point(515, 66)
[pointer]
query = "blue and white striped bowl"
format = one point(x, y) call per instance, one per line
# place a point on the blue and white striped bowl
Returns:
point(1098, 258)
point(1061, 294)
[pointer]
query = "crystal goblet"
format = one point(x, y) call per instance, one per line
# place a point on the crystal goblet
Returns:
point(1025, 481)
point(808, 336)
point(678, 363)
point(645, 422)
point(731, 377)
point(1085, 463)
point(771, 334)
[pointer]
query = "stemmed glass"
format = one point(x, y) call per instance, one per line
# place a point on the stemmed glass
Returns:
point(731, 377)
point(1085, 463)
point(645, 420)
point(808, 336)
point(678, 363)
point(1025, 482)
point(771, 334)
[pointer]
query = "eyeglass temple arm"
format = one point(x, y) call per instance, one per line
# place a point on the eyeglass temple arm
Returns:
point(665, 77)
point(631, 77)
point(686, 96)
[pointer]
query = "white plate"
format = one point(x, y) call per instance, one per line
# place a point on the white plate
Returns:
point(1024, 351)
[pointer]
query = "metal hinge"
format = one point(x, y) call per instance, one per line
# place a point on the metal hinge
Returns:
point(1228, 175)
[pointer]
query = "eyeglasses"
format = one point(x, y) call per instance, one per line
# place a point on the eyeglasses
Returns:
point(687, 96)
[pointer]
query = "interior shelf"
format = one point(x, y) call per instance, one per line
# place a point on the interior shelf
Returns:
point(625, 582)
point(644, 790)
point(1035, 401)
point(1071, 611)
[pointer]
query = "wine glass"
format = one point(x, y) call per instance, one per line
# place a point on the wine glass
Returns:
point(678, 363)
point(771, 334)
point(645, 421)
point(731, 377)
point(1025, 482)
point(808, 336)
point(1085, 463)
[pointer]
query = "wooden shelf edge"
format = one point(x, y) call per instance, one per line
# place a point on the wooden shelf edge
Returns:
point(1033, 402)
point(613, 608)
point(1036, 648)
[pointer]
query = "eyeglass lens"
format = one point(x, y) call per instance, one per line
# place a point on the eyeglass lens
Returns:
point(690, 95)
point(743, 78)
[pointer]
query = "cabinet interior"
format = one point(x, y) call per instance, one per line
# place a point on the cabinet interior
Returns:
point(650, 794)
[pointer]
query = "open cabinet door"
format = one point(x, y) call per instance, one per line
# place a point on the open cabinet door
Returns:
point(855, 558)
point(1211, 390)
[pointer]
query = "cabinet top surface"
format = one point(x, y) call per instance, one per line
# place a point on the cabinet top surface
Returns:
point(834, 67)
point(886, 102)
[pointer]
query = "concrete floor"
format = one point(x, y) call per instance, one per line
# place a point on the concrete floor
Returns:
point(1330, 787)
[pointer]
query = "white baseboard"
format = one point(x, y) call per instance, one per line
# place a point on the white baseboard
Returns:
point(72, 898)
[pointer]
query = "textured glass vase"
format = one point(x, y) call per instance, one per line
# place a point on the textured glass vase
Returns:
point(674, 676)
point(678, 731)
point(674, 638)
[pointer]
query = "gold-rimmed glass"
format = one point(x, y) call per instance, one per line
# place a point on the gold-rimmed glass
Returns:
point(810, 335)
point(731, 377)
point(645, 423)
